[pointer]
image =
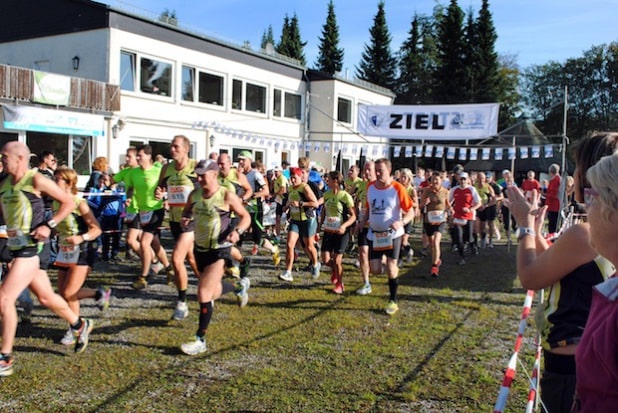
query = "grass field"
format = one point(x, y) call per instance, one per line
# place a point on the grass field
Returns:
point(295, 348)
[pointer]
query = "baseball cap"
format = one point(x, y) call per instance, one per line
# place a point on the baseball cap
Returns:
point(277, 168)
point(458, 169)
point(506, 171)
point(463, 175)
point(245, 155)
point(285, 163)
point(206, 165)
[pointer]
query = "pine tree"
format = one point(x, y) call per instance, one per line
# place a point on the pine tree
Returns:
point(267, 37)
point(488, 67)
point(290, 44)
point(451, 73)
point(377, 63)
point(471, 58)
point(330, 59)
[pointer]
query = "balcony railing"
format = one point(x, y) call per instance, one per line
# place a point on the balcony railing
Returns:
point(17, 83)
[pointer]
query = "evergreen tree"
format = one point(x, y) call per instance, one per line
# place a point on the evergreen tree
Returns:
point(267, 37)
point(487, 66)
point(471, 58)
point(291, 44)
point(330, 59)
point(451, 81)
point(377, 64)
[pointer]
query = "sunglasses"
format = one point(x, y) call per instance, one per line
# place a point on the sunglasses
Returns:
point(589, 195)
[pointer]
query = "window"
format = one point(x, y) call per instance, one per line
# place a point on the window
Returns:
point(237, 94)
point(292, 106)
point(74, 151)
point(257, 155)
point(344, 110)
point(127, 71)
point(155, 77)
point(188, 83)
point(211, 89)
point(277, 102)
point(256, 98)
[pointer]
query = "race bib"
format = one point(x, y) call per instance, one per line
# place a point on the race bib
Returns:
point(17, 238)
point(178, 195)
point(145, 217)
point(130, 216)
point(460, 221)
point(332, 224)
point(294, 210)
point(382, 241)
point(68, 255)
point(436, 217)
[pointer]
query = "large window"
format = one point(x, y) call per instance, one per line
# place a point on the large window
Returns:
point(344, 110)
point(291, 104)
point(211, 89)
point(153, 76)
point(74, 151)
point(255, 96)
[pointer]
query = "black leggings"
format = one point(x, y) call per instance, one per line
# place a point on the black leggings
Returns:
point(462, 234)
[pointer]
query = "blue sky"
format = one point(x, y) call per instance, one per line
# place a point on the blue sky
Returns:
point(534, 31)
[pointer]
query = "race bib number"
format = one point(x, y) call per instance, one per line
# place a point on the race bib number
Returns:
point(294, 210)
point(130, 216)
point(460, 221)
point(17, 238)
point(382, 241)
point(68, 255)
point(178, 195)
point(145, 217)
point(332, 224)
point(436, 217)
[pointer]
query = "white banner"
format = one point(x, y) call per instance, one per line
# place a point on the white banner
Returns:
point(436, 122)
point(36, 119)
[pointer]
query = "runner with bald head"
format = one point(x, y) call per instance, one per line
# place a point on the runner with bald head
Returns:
point(23, 211)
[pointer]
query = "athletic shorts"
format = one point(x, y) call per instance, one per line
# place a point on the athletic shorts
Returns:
point(431, 229)
point(153, 226)
point(177, 229)
point(43, 250)
point(204, 258)
point(87, 254)
point(279, 210)
point(305, 229)
point(5, 253)
point(361, 238)
point(335, 243)
point(131, 220)
point(391, 253)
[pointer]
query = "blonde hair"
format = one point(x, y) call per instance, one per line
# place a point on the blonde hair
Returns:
point(602, 177)
point(68, 175)
point(100, 164)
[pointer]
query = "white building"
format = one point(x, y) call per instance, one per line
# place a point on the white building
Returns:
point(144, 81)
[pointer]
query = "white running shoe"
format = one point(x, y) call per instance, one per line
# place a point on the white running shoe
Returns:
point(315, 272)
point(364, 290)
point(195, 347)
point(68, 339)
point(242, 295)
point(181, 312)
point(156, 268)
point(287, 276)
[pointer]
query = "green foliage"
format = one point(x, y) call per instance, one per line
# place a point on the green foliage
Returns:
point(592, 84)
point(377, 64)
point(267, 37)
point(290, 43)
point(330, 59)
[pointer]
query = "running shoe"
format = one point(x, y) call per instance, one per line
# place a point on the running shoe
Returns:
point(333, 279)
point(461, 262)
point(233, 271)
point(245, 264)
point(286, 276)
point(68, 339)
point(475, 249)
point(276, 257)
point(140, 283)
point(364, 290)
point(6, 365)
point(338, 288)
point(105, 296)
point(483, 243)
point(435, 269)
point(490, 244)
point(315, 273)
point(181, 311)
point(410, 255)
point(195, 347)
point(242, 295)
point(81, 335)
point(254, 250)
point(391, 308)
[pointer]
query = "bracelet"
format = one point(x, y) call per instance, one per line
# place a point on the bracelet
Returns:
point(51, 224)
point(239, 231)
point(525, 231)
point(86, 237)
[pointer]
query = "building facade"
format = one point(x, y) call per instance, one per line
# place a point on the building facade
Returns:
point(139, 80)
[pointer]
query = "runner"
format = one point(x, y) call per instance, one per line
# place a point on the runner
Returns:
point(23, 211)
point(465, 201)
point(210, 207)
point(435, 203)
point(362, 227)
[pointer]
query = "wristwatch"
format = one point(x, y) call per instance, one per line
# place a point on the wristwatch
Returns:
point(51, 224)
point(240, 231)
point(525, 231)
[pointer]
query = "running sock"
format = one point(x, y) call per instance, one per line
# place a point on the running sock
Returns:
point(204, 320)
point(182, 295)
point(393, 283)
point(77, 325)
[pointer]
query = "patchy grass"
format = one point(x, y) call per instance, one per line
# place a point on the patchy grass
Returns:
point(295, 347)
